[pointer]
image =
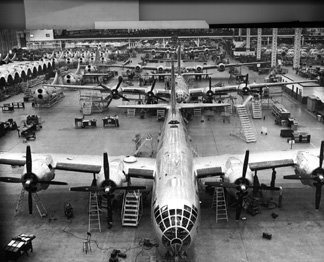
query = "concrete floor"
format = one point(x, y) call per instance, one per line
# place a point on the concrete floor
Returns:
point(297, 233)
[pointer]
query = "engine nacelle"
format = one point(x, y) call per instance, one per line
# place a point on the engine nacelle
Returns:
point(116, 168)
point(138, 68)
point(90, 68)
point(160, 69)
point(43, 170)
point(306, 163)
point(233, 173)
point(199, 69)
point(221, 67)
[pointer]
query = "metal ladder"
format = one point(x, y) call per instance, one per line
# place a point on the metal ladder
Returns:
point(132, 208)
point(256, 109)
point(219, 202)
point(38, 203)
point(249, 134)
point(94, 213)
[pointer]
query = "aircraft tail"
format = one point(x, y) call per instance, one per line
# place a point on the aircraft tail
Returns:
point(52, 56)
point(179, 59)
point(97, 56)
point(173, 93)
point(57, 79)
point(61, 55)
point(13, 58)
point(78, 71)
point(6, 59)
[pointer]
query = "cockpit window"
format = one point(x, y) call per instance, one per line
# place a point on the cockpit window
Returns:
point(176, 224)
point(173, 122)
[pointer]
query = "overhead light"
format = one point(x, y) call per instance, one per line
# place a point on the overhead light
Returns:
point(31, 35)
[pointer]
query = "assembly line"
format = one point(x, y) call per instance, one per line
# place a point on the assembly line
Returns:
point(203, 145)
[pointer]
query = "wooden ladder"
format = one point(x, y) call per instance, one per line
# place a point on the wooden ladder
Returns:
point(94, 213)
point(219, 202)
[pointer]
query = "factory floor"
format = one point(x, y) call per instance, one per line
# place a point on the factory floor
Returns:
point(297, 232)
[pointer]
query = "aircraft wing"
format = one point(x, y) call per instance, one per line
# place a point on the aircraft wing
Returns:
point(142, 168)
point(258, 85)
point(199, 91)
point(135, 66)
point(81, 87)
point(147, 106)
point(200, 105)
point(257, 161)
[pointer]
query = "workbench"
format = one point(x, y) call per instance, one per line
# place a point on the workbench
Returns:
point(18, 246)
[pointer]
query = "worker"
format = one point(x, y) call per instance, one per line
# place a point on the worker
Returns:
point(116, 120)
point(137, 140)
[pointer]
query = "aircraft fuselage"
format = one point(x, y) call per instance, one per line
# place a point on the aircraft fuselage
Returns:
point(175, 201)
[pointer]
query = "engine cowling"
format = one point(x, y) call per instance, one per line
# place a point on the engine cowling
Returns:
point(306, 163)
point(42, 171)
point(221, 67)
point(199, 69)
point(138, 68)
point(233, 173)
point(153, 52)
point(160, 69)
point(116, 168)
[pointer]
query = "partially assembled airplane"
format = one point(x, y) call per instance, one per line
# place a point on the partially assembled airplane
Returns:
point(175, 173)
point(198, 69)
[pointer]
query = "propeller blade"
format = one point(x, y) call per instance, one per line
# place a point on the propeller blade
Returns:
point(246, 163)
point(123, 97)
point(221, 184)
point(318, 195)
point(210, 83)
point(109, 101)
point(239, 208)
point(321, 156)
point(153, 85)
point(85, 189)
point(30, 202)
point(161, 98)
point(119, 83)
point(106, 166)
point(104, 87)
point(130, 187)
point(10, 180)
point(246, 80)
point(28, 160)
point(53, 183)
point(297, 177)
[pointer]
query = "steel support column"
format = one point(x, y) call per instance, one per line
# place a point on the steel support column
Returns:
point(297, 45)
point(274, 47)
point(259, 44)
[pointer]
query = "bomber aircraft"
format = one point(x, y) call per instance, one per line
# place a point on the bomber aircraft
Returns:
point(175, 173)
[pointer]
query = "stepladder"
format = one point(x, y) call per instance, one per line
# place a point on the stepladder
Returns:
point(219, 203)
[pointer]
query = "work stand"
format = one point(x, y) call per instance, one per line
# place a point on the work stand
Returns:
point(38, 203)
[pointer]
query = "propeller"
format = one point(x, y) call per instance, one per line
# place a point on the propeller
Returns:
point(210, 93)
point(317, 176)
point(150, 94)
point(107, 188)
point(114, 93)
point(246, 89)
point(29, 180)
point(241, 185)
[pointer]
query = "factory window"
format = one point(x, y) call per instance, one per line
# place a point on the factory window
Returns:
point(47, 35)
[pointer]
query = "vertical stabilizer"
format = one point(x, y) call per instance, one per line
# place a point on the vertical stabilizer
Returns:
point(173, 93)
point(179, 59)
point(6, 59)
point(97, 56)
point(78, 71)
point(57, 79)
point(13, 58)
